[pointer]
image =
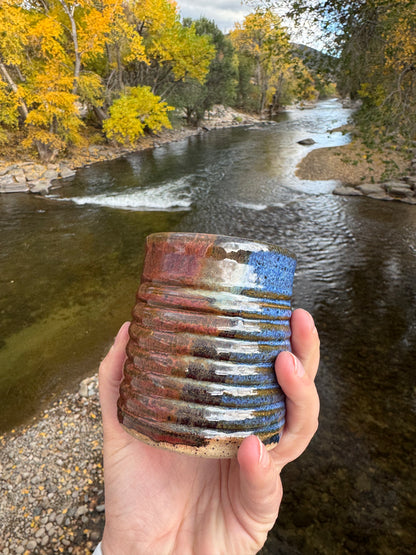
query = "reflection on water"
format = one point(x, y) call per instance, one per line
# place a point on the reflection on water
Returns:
point(71, 263)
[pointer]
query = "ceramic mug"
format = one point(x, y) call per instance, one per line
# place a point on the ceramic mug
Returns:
point(212, 314)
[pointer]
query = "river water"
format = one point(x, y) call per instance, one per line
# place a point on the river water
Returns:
point(70, 265)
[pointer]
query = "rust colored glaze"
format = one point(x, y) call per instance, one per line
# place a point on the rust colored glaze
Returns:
point(212, 314)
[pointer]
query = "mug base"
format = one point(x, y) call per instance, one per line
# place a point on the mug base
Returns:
point(213, 449)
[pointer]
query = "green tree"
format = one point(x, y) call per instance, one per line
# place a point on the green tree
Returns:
point(221, 80)
point(375, 42)
point(219, 87)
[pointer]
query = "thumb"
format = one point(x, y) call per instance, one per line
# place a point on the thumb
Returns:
point(110, 375)
point(260, 485)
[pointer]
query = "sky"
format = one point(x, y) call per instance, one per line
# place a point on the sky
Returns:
point(226, 12)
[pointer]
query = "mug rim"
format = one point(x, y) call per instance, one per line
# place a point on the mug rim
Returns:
point(222, 240)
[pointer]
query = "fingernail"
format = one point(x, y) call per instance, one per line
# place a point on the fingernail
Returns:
point(297, 366)
point(121, 331)
point(261, 451)
point(311, 323)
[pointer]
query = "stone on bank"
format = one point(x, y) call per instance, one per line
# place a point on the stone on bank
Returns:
point(404, 190)
point(31, 177)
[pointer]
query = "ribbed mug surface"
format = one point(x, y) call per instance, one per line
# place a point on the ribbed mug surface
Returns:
point(212, 314)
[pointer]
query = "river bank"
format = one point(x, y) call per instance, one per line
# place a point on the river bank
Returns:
point(385, 175)
point(27, 175)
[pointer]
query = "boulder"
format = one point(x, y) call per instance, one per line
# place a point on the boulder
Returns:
point(346, 190)
point(6, 180)
point(380, 196)
point(8, 184)
point(13, 187)
point(32, 173)
point(39, 168)
point(7, 169)
point(50, 174)
point(66, 172)
point(306, 142)
point(18, 175)
point(399, 189)
point(411, 180)
point(371, 189)
point(40, 186)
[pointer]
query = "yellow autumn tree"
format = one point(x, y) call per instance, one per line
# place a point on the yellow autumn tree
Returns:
point(59, 58)
point(14, 26)
point(265, 41)
point(40, 68)
point(9, 104)
point(136, 111)
point(45, 52)
point(53, 117)
point(395, 73)
point(173, 52)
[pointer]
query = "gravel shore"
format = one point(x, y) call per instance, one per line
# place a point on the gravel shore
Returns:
point(52, 498)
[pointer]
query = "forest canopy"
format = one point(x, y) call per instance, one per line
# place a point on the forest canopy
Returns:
point(123, 67)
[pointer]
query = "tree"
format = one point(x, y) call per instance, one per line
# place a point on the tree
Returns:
point(43, 48)
point(375, 42)
point(267, 66)
point(9, 104)
point(168, 52)
point(59, 58)
point(14, 27)
point(388, 87)
point(137, 110)
point(219, 87)
point(296, 83)
point(221, 79)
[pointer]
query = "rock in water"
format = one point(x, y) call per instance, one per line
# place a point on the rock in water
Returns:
point(306, 142)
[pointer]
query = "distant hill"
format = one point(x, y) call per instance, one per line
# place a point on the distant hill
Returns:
point(322, 67)
point(316, 61)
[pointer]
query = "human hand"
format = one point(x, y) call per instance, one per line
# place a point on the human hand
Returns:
point(160, 502)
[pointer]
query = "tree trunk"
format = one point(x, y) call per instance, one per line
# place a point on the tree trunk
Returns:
point(24, 112)
point(46, 153)
point(100, 114)
point(74, 34)
point(119, 70)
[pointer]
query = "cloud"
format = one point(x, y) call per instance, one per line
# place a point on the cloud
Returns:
point(224, 12)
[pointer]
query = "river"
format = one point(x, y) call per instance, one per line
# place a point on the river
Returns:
point(70, 265)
